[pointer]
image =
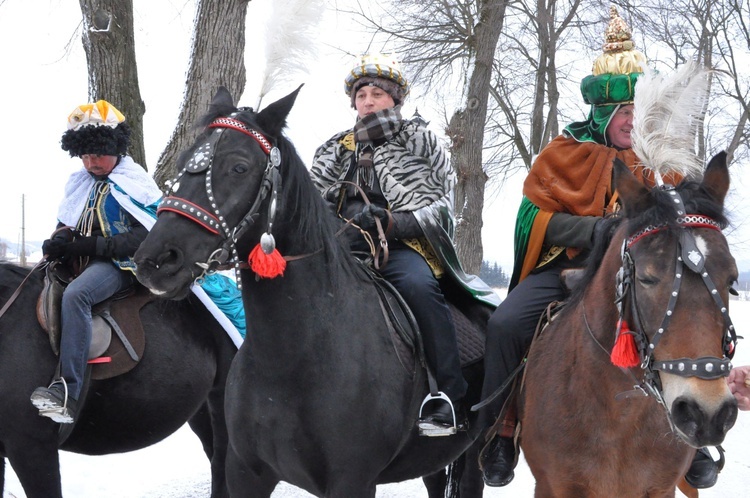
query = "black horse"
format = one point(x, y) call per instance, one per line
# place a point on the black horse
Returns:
point(180, 378)
point(319, 395)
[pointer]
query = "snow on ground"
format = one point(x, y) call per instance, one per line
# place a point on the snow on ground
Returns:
point(177, 467)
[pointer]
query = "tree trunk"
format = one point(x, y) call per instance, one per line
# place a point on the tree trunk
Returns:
point(468, 139)
point(216, 59)
point(109, 44)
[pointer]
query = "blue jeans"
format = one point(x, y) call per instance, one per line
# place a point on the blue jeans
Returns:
point(98, 282)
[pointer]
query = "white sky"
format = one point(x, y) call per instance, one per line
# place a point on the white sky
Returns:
point(46, 77)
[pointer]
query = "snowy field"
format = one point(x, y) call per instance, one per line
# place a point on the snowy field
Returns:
point(177, 468)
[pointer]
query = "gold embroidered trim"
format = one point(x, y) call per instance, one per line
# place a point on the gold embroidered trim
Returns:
point(425, 250)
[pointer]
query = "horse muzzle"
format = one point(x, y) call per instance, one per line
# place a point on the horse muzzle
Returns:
point(703, 424)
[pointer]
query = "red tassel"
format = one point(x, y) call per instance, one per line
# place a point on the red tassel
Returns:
point(266, 265)
point(625, 354)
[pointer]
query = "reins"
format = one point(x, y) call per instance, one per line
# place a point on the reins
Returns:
point(382, 235)
point(41, 264)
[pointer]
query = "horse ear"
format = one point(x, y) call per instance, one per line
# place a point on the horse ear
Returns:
point(716, 177)
point(272, 119)
point(632, 192)
point(222, 98)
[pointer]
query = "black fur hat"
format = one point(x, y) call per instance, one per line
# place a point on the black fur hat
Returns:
point(97, 128)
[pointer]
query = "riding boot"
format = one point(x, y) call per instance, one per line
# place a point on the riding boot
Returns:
point(499, 462)
point(704, 471)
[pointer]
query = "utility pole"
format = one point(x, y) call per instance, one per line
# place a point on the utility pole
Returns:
point(23, 230)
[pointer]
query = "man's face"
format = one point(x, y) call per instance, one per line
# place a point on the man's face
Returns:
point(620, 126)
point(370, 99)
point(99, 165)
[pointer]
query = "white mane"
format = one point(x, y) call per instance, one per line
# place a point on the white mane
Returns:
point(669, 111)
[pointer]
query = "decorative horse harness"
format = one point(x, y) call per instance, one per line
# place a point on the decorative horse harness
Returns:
point(688, 254)
point(212, 219)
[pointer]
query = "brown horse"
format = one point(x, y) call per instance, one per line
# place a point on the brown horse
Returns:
point(592, 429)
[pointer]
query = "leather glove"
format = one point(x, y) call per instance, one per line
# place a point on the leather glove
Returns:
point(83, 246)
point(366, 219)
point(54, 248)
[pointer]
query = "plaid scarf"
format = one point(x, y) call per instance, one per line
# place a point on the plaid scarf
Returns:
point(373, 128)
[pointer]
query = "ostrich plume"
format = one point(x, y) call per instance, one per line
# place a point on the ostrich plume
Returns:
point(289, 44)
point(669, 112)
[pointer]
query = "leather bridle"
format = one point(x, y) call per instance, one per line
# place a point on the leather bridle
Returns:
point(689, 256)
point(211, 219)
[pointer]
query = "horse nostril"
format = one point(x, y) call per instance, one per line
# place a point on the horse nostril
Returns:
point(169, 261)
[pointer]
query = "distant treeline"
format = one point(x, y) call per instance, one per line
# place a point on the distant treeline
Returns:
point(493, 275)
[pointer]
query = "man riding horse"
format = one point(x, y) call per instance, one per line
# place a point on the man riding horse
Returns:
point(566, 195)
point(390, 170)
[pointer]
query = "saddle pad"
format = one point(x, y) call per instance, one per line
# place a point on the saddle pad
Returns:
point(126, 313)
point(469, 336)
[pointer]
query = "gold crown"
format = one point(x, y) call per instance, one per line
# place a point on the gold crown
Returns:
point(620, 55)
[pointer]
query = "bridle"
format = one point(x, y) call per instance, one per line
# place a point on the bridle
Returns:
point(687, 255)
point(211, 219)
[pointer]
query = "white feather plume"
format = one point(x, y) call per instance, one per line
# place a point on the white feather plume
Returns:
point(289, 40)
point(669, 110)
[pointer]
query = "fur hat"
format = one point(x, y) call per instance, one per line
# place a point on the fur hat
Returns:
point(380, 70)
point(97, 128)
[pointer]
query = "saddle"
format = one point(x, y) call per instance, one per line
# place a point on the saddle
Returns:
point(404, 331)
point(119, 315)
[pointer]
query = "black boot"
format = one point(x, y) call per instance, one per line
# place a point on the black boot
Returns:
point(704, 471)
point(437, 419)
point(499, 462)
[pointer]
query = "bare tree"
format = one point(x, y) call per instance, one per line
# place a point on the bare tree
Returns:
point(469, 124)
point(109, 44)
point(714, 33)
point(216, 59)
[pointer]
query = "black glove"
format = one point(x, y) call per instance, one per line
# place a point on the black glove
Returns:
point(54, 248)
point(604, 228)
point(83, 246)
point(366, 219)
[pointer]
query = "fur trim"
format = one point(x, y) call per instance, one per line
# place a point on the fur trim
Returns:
point(100, 140)
point(390, 87)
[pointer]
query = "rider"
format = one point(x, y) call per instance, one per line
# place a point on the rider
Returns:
point(566, 194)
point(108, 202)
point(402, 168)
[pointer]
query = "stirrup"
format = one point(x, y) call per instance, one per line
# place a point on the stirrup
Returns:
point(432, 430)
point(60, 414)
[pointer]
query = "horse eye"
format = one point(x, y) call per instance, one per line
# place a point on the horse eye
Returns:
point(732, 289)
point(240, 169)
point(647, 281)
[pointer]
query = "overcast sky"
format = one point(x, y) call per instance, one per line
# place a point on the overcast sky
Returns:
point(45, 78)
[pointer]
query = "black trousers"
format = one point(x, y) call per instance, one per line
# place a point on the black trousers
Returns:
point(410, 274)
point(510, 331)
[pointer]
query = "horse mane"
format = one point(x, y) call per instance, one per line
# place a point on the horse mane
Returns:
point(662, 211)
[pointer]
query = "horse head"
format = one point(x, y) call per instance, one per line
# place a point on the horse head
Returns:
point(228, 197)
point(673, 288)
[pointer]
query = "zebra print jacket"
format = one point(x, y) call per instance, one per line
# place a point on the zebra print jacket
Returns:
point(415, 177)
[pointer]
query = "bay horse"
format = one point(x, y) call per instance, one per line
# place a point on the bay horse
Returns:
point(593, 429)
point(318, 395)
point(179, 378)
